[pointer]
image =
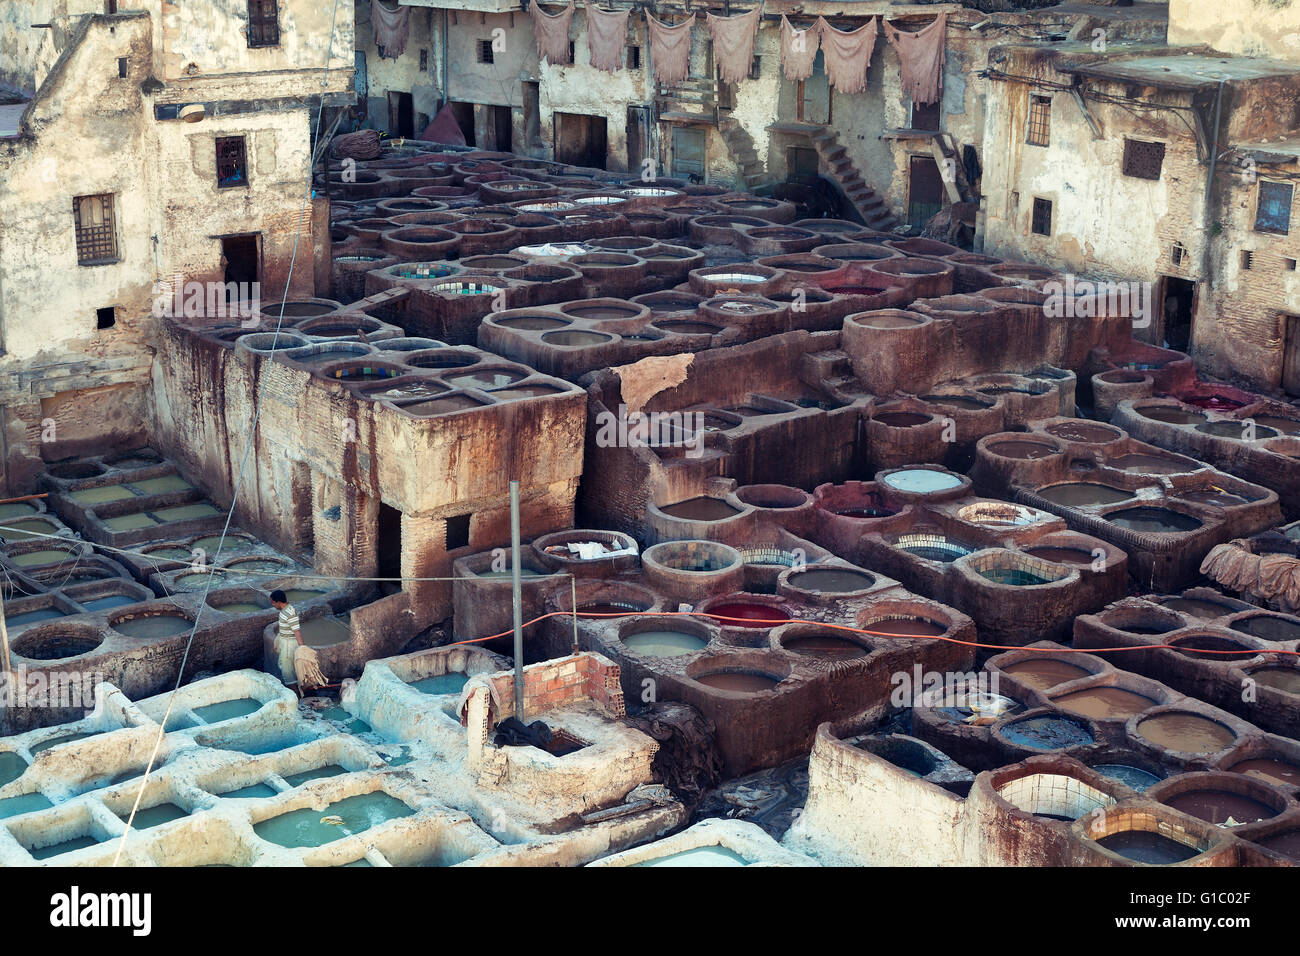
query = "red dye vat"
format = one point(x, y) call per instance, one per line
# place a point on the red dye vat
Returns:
point(855, 289)
point(746, 615)
point(1217, 402)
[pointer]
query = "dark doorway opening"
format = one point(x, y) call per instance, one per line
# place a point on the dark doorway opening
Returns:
point(925, 115)
point(1291, 355)
point(457, 532)
point(638, 137)
point(242, 261)
point(688, 153)
point(803, 164)
point(401, 114)
point(464, 113)
point(925, 190)
point(580, 140)
point(388, 548)
point(813, 95)
point(532, 96)
point(501, 120)
point(1178, 307)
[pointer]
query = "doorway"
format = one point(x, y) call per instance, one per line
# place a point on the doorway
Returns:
point(638, 137)
point(388, 548)
point(580, 140)
point(803, 165)
point(464, 115)
point(925, 190)
point(1291, 355)
point(925, 115)
point(532, 96)
point(813, 95)
point(401, 114)
point(1177, 309)
point(501, 126)
point(688, 153)
point(242, 261)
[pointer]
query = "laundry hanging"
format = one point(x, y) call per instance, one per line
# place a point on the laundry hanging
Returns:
point(798, 50)
point(670, 49)
point(552, 33)
point(847, 54)
point(921, 53)
point(733, 44)
point(606, 37)
point(392, 28)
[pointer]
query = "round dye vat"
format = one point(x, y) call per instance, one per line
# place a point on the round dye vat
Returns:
point(1286, 843)
point(325, 631)
point(1083, 432)
point(834, 580)
point(1044, 672)
point(689, 328)
point(741, 682)
point(1238, 430)
point(902, 419)
point(1047, 733)
point(1219, 499)
point(26, 530)
point(110, 601)
point(54, 647)
point(31, 617)
point(922, 481)
point(400, 393)
point(1149, 465)
point(959, 402)
point(1171, 415)
point(826, 647)
point(18, 509)
point(35, 559)
point(1083, 494)
point(1286, 426)
point(601, 312)
point(1216, 806)
point(232, 544)
point(1268, 628)
point(576, 339)
point(440, 406)
point(1205, 610)
point(153, 625)
point(487, 378)
point(664, 643)
point(1185, 733)
point(1024, 450)
point(1076, 556)
point(1216, 402)
point(742, 614)
point(1270, 770)
point(532, 323)
point(296, 595)
point(933, 547)
point(1193, 646)
point(452, 683)
point(12, 767)
point(1133, 777)
point(1104, 703)
point(1153, 520)
point(526, 391)
point(905, 627)
point(702, 508)
point(240, 607)
point(609, 608)
point(1285, 679)
point(1143, 846)
point(1014, 577)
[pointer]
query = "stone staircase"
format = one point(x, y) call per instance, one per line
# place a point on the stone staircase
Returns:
point(740, 144)
point(865, 200)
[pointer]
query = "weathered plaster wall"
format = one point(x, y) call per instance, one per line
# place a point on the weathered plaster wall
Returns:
point(27, 50)
point(403, 73)
point(1246, 27)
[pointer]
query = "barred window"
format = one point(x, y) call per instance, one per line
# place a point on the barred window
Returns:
point(1042, 220)
point(232, 161)
point(1273, 210)
point(1142, 159)
point(96, 230)
point(485, 52)
point(634, 58)
point(263, 23)
point(1040, 121)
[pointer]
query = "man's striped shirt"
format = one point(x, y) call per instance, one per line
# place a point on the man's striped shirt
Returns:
point(288, 623)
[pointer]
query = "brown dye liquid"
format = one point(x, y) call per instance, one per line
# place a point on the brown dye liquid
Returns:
point(438, 406)
point(1104, 703)
point(1285, 679)
point(828, 580)
point(1074, 431)
point(1196, 608)
point(888, 322)
point(1027, 450)
point(902, 419)
point(529, 323)
point(1268, 628)
point(1287, 843)
point(1171, 415)
point(1215, 806)
point(905, 627)
point(1062, 555)
point(825, 647)
point(1269, 770)
point(1287, 426)
point(702, 508)
point(1044, 672)
point(957, 401)
point(1220, 499)
point(1185, 733)
point(1083, 494)
point(1149, 465)
point(741, 681)
point(1144, 846)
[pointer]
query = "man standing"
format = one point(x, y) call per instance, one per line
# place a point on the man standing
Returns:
point(288, 638)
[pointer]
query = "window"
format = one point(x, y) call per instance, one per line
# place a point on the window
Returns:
point(122, 64)
point(485, 51)
point(1176, 253)
point(573, 53)
point(1288, 264)
point(96, 231)
point(424, 61)
point(1142, 159)
point(1040, 121)
point(755, 69)
point(458, 532)
point(1247, 260)
point(1273, 211)
point(1042, 219)
point(106, 317)
point(232, 162)
point(263, 23)
point(634, 58)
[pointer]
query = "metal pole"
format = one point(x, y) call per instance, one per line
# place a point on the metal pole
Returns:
point(4, 638)
point(517, 601)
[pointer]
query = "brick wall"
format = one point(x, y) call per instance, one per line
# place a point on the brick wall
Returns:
point(560, 682)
